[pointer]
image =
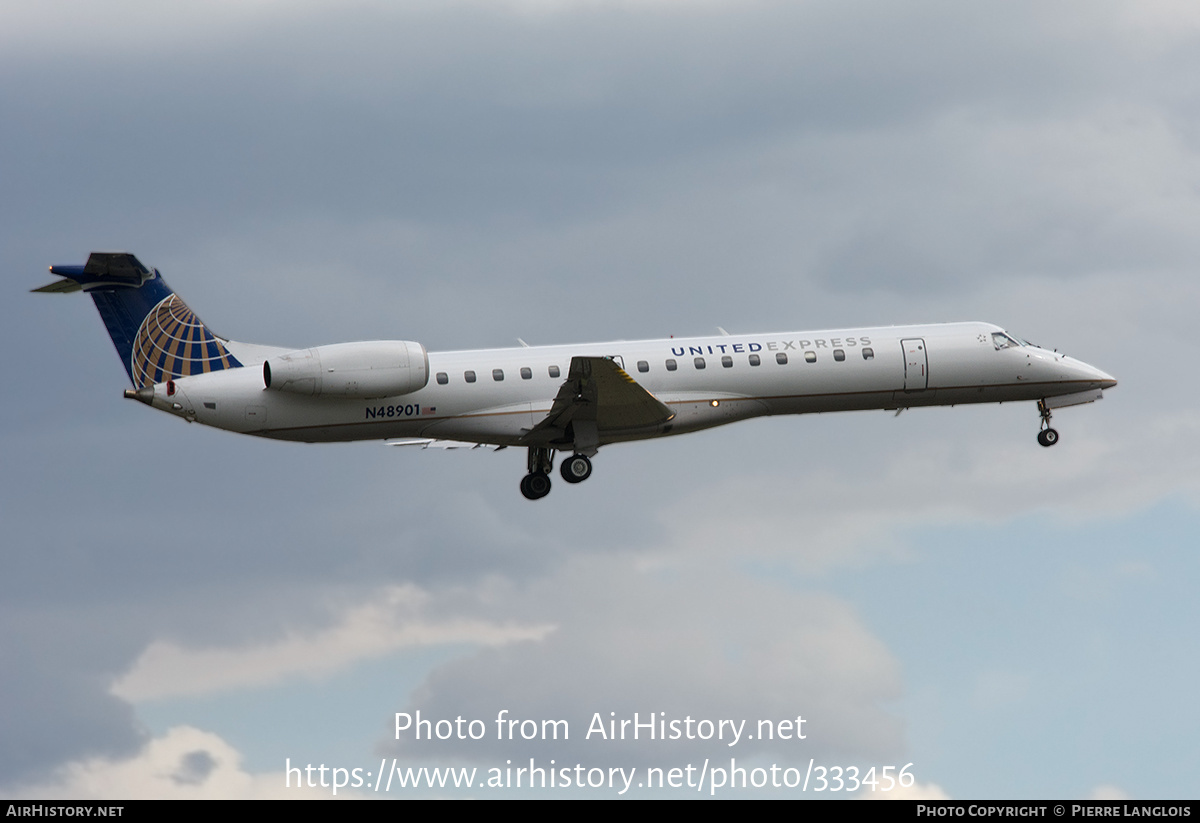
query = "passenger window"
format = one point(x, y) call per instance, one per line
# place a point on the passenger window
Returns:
point(554, 371)
point(810, 356)
point(868, 353)
point(526, 373)
point(443, 378)
point(781, 359)
point(755, 360)
point(497, 374)
point(699, 362)
point(839, 355)
point(643, 366)
point(727, 362)
point(671, 366)
point(469, 376)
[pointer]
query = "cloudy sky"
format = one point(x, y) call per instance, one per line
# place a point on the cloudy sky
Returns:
point(184, 610)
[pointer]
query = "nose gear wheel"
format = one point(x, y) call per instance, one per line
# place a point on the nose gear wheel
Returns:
point(1047, 436)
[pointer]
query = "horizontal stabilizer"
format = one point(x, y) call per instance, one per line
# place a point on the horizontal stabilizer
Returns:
point(103, 270)
point(59, 287)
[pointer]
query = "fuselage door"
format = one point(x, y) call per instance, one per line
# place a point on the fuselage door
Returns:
point(916, 364)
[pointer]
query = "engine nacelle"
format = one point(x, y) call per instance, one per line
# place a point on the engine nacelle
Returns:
point(375, 368)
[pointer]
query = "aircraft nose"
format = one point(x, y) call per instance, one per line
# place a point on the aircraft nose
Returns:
point(1106, 380)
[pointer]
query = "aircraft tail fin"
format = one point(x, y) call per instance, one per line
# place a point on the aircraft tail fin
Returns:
point(156, 335)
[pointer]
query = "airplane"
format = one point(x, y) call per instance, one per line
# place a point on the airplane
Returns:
point(574, 398)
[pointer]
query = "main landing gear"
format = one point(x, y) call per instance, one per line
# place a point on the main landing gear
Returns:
point(536, 484)
point(1047, 436)
point(576, 468)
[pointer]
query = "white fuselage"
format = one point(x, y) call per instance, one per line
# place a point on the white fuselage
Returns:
point(705, 381)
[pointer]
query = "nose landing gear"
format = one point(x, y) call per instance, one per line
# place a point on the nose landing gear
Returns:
point(1047, 436)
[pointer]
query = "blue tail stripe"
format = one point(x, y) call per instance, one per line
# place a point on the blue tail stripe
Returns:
point(123, 311)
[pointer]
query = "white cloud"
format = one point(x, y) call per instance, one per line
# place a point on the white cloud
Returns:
point(917, 791)
point(1108, 791)
point(184, 764)
point(392, 621)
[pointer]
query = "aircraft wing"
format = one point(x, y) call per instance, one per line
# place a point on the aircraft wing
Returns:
point(434, 443)
point(597, 396)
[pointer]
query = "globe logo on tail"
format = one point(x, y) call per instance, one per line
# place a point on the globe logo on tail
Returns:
point(172, 342)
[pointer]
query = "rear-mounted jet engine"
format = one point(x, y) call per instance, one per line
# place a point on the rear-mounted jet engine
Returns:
point(376, 368)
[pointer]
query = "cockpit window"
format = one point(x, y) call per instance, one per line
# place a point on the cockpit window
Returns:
point(1003, 341)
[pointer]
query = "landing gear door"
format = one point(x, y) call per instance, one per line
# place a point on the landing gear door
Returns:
point(916, 364)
